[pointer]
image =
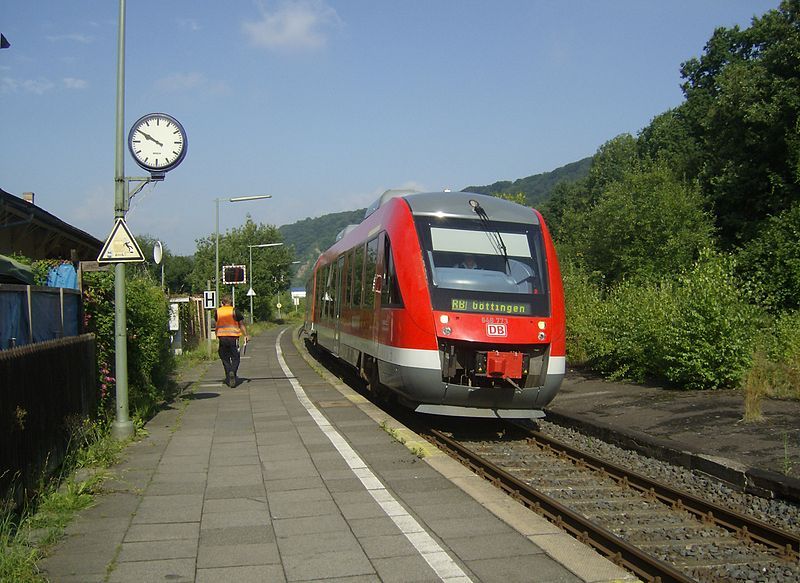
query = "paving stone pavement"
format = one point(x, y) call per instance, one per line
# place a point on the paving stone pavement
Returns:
point(292, 478)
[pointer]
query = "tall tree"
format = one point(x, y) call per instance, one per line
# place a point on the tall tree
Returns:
point(743, 108)
point(271, 265)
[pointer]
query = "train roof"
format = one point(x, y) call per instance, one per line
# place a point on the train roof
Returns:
point(457, 205)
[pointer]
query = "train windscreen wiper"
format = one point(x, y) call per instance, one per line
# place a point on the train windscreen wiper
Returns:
point(496, 237)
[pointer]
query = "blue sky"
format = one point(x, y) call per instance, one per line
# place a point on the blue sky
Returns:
point(327, 103)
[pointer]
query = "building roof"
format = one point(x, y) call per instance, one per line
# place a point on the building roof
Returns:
point(33, 232)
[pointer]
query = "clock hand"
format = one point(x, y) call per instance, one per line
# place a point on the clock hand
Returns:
point(151, 138)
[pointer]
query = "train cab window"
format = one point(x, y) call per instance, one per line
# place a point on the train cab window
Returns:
point(370, 266)
point(469, 264)
point(358, 275)
point(390, 292)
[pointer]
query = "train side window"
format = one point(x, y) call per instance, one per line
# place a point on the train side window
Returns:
point(335, 270)
point(358, 275)
point(370, 265)
point(322, 293)
point(347, 269)
point(330, 291)
point(390, 292)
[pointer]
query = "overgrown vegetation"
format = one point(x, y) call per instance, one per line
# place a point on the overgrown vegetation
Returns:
point(28, 532)
point(679, 249)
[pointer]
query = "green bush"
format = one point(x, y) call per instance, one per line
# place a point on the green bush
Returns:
point(583, 305)
point(710, 342)
point(697, 332)
point(636, 320)
point(779, 362)
point(149, 357)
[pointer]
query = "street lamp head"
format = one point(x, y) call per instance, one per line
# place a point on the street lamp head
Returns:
point(254, 197)
point(267, 245)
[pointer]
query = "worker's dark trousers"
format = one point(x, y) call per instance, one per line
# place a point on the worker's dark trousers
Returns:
point(229, 353)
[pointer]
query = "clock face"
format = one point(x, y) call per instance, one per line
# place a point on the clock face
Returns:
point(157, 142)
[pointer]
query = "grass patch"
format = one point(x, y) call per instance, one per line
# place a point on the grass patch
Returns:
point(27, 533)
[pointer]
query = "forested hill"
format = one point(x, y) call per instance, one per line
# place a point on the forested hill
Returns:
point(312, 236)
point(537, 188)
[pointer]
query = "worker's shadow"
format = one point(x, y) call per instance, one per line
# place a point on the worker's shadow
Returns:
point(199, 396)
point(243, 380)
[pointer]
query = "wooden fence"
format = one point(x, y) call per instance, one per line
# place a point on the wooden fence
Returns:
point(44, 387)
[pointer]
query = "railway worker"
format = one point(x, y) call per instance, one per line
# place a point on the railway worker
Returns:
point(230, 326)
point(468, 263)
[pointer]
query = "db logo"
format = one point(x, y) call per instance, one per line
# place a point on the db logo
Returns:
point(496, 330)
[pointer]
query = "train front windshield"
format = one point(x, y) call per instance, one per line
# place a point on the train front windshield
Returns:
point(473, 268)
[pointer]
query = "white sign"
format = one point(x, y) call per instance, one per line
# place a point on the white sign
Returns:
point(209, 299)
point(120, 246)
point(174, 317)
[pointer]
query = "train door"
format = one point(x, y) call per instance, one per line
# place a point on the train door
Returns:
point(337, 304)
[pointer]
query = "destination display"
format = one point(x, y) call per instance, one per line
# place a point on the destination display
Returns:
point(490, 307)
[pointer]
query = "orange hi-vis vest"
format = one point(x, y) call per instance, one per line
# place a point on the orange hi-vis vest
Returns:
point(226, 323)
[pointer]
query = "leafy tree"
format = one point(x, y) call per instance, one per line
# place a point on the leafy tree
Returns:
point(743, 109)
point(177, 274)
point(770, 263)
point(517, 197)
point(668, 139)
point(176, 268)
point(648, 223)
point(271, 265)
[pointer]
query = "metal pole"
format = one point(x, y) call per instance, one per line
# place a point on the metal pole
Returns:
point(216, 261)
point(122, 427)
point(250, 247)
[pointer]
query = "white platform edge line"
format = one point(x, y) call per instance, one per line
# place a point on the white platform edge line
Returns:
point(444, 566)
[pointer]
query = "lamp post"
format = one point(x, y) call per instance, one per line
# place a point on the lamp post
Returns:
point(251, 293)
point(122, 427)
point(216, 232)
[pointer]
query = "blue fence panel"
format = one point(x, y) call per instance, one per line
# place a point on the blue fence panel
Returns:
point(47, 306)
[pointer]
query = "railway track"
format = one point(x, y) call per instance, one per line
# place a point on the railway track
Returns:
point(655, 531)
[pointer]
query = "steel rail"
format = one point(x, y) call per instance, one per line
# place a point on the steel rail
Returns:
point(622, 553)
point(743, 526)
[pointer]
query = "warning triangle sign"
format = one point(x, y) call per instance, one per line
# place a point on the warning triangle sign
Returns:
point(120, 246)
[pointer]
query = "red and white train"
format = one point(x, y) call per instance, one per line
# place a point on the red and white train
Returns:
point(451, 301)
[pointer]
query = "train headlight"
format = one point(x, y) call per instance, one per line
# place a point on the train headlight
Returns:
point(542, 335)
point(542, 324)
point(444, 318)
point(480, 362)
point(447, 330)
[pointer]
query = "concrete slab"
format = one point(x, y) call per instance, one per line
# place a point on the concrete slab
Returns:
point(244, 574)
point(179, 570)
point(239, 555)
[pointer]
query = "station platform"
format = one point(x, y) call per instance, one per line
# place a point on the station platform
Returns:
point(293, 476)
